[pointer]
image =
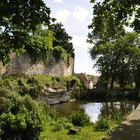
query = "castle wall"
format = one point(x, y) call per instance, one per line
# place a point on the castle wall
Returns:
point(24, 65)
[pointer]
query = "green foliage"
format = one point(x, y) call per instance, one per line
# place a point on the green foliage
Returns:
point(79, 119)
point(34, 85)
point(112, 16)
point(114, 48)
point(18, 19)
point(31, 87)
point(118, 118)
point(58, 53)
point(108, 29)
point(21, 30)
point(62, 124)
point(40, 47)
point(86, 132)
point(20, 117)
point(118, 60)
point(62, 38)
point(51, 114)
point(102, 124)
point(24, 85)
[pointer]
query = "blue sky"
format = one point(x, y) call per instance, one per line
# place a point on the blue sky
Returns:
point(75, 15)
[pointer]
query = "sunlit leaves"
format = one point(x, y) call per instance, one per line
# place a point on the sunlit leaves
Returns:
point(19, 19)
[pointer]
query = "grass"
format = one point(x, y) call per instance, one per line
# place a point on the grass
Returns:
point(86, 133)
point(90, 131)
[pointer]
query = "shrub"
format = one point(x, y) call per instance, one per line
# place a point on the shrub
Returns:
point(30, 87)
point(79, 118)
point(20, 117)
point(62, 124)
point(23, 88)
point(52, 114)
point(58, 127)
point(102, 124)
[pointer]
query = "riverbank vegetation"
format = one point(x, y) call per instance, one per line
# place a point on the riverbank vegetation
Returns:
point(78, 126)
point(34, 85)
point(23, 115)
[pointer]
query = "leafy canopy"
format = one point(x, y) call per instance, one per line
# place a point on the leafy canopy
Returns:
point(19, 19)
point(62, 38)
point(119, 60)
point(116, 13)
point(115, 51)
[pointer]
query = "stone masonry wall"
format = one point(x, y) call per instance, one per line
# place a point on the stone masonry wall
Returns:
point(24, 65)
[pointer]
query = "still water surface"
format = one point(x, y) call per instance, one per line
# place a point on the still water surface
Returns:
point(95, 110)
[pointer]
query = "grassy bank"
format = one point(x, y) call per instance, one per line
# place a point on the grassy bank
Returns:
point(86, 133)
point(57, 128)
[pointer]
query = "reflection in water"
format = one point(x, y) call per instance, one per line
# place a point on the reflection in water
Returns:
point(97, 110)
point(92, 110)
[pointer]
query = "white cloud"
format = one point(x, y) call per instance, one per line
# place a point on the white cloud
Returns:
point(80, 42)
point(81, 13)
point(62, 15)
point(59, 1)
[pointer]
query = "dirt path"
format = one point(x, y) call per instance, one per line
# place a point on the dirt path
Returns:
point(129, 129)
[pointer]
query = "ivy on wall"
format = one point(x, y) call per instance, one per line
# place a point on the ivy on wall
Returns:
point(40, 47)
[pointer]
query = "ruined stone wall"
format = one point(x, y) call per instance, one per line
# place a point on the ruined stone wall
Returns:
point(25, 65)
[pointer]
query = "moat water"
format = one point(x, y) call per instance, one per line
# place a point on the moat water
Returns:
point(95, 109)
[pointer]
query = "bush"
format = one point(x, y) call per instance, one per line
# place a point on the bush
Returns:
point(52, 114)
point(79, 119)
point(102, 124)
point(31, 87)
point(62, 124)
point(20, 117)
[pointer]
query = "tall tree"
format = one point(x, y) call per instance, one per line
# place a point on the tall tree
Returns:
point(112, 49)
point(18, 19)
point(118, 60)
point(62, 38)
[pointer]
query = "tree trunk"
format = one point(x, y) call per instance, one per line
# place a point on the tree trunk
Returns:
point(113, 74)
point(112, 82)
